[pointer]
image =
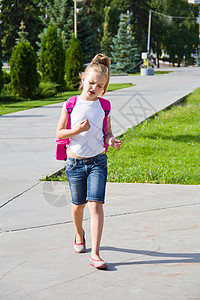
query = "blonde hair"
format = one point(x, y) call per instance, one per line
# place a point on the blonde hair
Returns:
point(101, 64)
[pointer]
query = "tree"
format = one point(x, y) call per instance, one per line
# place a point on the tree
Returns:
point(106, 41)
point(12, 12)
point(87, 35)
point(23, 70)
point(52, 59)
point(125, 55)
point(1, 76)
point(178, 37)
point(57, 12)
point(138, 10)
point(74, 62)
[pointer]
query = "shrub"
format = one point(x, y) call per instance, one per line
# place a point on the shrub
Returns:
point(73, 62)
point(7, 77)
point(52, 58)
point(1, 77)
point(23, 70)
point(7, 90)
point(46, 89)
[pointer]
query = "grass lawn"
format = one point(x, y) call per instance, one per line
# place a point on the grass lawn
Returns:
point(8, 106)
point(161, 150)
point(155, 73)
point(165, 149)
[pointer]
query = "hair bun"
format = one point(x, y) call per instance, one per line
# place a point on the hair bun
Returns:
point(102, 59)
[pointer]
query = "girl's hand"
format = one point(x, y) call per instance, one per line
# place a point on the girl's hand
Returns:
point(115, 143)
point(84, 126)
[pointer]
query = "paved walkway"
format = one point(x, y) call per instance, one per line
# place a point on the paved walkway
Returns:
point(151, 234)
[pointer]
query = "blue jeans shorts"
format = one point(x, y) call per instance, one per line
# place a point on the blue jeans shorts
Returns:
point(87, 178)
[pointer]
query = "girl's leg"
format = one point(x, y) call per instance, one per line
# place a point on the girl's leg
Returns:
point(97, 220)
point(77, 215)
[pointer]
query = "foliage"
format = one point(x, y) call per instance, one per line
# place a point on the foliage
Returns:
point(7, 77)
point(98, 23)
point(178, 37)
point(106, 41)
point(52, 60)
point(74, 62)
point(12, 12)
point(87, 35)
point(138, 11)
point(2, 80)
point(125, 54)
point(46, 89)
point(57, 12)
point(23, 70)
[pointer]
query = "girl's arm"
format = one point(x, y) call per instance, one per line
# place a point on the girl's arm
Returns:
point(63, 133)
point(109, 139)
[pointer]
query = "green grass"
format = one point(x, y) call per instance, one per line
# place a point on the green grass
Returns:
point(13, 104)
point(162, 72)
point(155, 73)
point(164, 149)
point(161, 150)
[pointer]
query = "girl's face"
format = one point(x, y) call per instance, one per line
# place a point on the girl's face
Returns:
point(93, 84)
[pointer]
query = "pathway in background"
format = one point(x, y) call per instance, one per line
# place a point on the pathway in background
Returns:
point(28, 137)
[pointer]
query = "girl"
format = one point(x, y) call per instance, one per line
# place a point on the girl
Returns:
point(86, 165)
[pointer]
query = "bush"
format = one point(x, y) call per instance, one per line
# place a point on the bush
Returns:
point(1, 77)
point(52, 58)
point(23, 70)
point(73, 62)
point(46, 89)
point(7, 77)
point(7, 90)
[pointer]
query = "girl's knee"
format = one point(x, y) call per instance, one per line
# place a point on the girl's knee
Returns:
point(95, 207)
point(78, 207)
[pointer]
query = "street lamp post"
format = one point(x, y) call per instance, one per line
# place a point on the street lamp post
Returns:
point(146, 55)
point(149, 38)
point(75, 17)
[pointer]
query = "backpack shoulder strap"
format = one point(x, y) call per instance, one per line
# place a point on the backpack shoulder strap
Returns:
point(70, 103)
point(105, 104)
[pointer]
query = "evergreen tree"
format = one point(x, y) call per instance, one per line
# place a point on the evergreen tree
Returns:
point(57, 12)
point(23, 67)
point(139, 11)
point(87, 35)
point(1, 76)
point(74, 62)
point(52, 59)
point(60, 13)
point(106, 41)
point(125, 54)
point(12, 12)
point(22, 34)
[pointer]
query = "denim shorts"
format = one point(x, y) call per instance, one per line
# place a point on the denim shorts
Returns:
point(87, 178)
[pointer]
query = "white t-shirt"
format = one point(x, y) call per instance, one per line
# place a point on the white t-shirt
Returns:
point(88, 143)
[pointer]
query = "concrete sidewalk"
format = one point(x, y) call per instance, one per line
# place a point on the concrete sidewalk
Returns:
point(28, 137)
point(150, 240)
point(151, 233)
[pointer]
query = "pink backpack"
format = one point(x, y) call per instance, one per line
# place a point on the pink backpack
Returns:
point(62, 145)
